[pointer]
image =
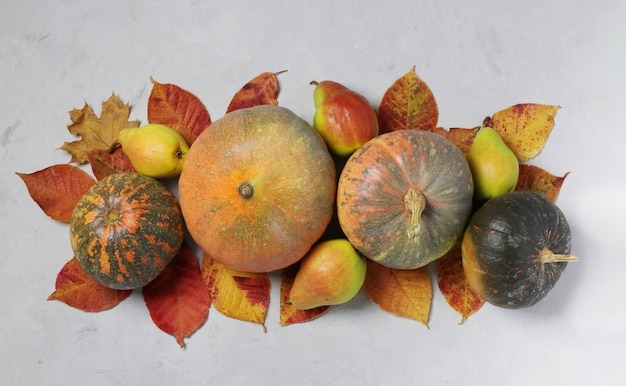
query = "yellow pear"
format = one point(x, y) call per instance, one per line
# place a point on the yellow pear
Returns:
point(154, 150)
point(495, 168)
point(331, 273)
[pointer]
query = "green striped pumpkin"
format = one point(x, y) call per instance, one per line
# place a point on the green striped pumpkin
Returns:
point(125, 230)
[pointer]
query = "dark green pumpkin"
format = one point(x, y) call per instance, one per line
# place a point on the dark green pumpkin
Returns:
point(515, 248)
point(125, 230)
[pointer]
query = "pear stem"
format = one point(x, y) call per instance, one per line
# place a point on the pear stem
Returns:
point(314, 83)
point(547, 256)
point(414, 202)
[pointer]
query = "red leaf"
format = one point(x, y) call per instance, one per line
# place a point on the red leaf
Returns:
point(179, 109)
point(408, 104)
point(538, 180)
point(288, 313)
point(454, 286)
point(461, 138)
point(262, 90)
point(178, 299)
point(77, 289)
point(103, 163)
point(57, 189)
point(402, 292)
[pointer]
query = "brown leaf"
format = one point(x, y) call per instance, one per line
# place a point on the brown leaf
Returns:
point(406, 293)
point(57, 189)
point(288, 313)
point(77, 289)
point(104, 163)
point(408, 104)
point(238, 295)
point(179, 109)
point(262, 90)
point(97, 133)
point(461, 138)
point(178, 299)
point(524, 128)
point(536, 179)
point(454, 286)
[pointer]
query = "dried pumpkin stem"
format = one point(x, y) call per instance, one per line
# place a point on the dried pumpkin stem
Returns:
point(414, 202)
point(547, 256)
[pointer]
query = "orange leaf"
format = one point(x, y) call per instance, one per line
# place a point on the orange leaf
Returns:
point(104, 163)
point(288, 313)
point(262, 90)
point(454, 286)
point(179, 109)
point(57, 189)
point(524, 127)
point(461, 138)
point(538, 180)
point(178, 299)
point(77, 289)
point(97, 133)
point(408, 104)
point(406, 293)
point(238, 295)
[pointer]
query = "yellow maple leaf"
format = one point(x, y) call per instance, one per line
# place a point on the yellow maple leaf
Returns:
point(97, 133)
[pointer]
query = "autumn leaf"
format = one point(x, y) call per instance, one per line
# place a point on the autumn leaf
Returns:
point(238, 295)
point(406, 293)
point(524, 128)
point(288, 313)
point(178, 300)
point(454, 286)
point(179, 109)
point(536, 179)
point(104, 163)
point(97, 133)
point(57, 189)
point(77, 289)
point(408, 104)
point(461, 138)
point(262, 90)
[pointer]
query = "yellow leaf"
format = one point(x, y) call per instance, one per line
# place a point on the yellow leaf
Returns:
point(239, 295)
point(525, 128)
point(403, 292)
point(97, 133)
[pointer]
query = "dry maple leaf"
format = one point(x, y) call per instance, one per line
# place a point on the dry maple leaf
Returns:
point(97, 132)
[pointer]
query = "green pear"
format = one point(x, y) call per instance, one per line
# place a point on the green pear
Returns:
point(345, 119)
point(331, 273)
point(495, 168)
point(154, 150)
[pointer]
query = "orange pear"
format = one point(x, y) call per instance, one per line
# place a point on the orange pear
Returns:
point(331, 273)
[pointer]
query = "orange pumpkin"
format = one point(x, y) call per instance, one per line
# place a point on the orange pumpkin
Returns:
point(404, 198)
point(257, 189)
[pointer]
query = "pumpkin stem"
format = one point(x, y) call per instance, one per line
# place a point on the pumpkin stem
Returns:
point(246, 190)
point(547, 256)
point(414, 202)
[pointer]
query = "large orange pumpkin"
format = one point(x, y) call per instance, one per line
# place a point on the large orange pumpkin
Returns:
point(257, 189)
